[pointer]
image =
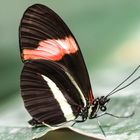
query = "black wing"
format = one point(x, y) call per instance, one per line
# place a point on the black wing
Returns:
point(52, 58)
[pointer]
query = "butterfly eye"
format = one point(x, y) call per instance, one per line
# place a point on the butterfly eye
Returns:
point(103, 108)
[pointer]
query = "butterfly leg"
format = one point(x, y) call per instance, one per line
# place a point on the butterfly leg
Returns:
point(79, 121)
point(83, 114)
point(106, 113)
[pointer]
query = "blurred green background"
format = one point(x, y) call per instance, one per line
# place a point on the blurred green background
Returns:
point(108, 33)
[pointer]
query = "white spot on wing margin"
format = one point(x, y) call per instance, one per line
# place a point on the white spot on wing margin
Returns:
point(58, 95)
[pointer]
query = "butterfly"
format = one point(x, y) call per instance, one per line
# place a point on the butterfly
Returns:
point(55, 84)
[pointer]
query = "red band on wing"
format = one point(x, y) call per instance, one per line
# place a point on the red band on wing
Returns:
point(91, 98)
point(51, 49)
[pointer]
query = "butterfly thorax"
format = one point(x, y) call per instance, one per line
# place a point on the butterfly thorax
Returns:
point(90, 111)
point(99, 104)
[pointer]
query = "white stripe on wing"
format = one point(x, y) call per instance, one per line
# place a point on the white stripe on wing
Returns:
point(58, 95)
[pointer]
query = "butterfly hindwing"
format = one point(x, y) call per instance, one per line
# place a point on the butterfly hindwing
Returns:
point(49, 93)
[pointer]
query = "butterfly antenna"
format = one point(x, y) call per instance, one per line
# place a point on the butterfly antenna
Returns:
point(126, 85)
point(99, 124)
point(116, 89)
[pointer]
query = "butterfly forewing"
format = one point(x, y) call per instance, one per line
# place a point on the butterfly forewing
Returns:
point(53, 67)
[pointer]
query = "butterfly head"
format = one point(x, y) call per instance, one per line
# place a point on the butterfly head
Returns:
point(99, 104)
point(102, 101)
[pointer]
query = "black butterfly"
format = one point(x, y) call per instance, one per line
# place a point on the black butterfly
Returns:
point(55, 84)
